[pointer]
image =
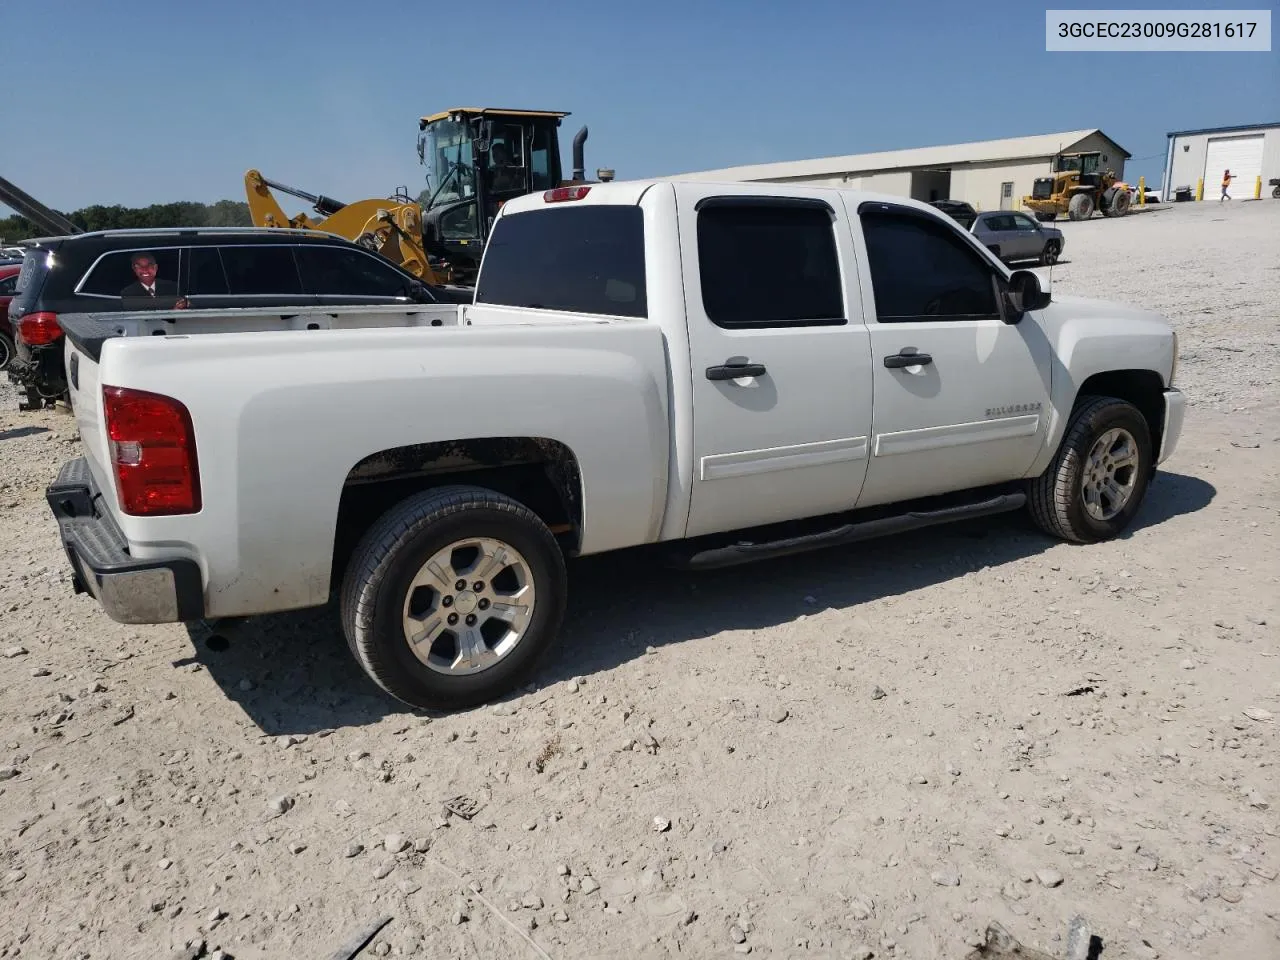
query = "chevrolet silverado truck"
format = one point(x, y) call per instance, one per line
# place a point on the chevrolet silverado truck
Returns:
point(722, 372)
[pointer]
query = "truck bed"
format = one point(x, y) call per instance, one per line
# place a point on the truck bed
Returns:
point(285, 405)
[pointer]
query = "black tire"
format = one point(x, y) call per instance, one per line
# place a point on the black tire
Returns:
point(1056, 497)
point(1046, 217)
point(1080, 207)
point(392, 552)
point(1050, 254)
point(7, 350)
point(1119, 204)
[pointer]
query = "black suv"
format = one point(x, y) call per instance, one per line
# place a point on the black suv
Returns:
point(192, 269)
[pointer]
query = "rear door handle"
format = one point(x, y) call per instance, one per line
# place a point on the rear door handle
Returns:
point(898, 360)
point(734, 369)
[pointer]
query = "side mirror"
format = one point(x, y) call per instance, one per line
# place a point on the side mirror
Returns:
point(1024, 294)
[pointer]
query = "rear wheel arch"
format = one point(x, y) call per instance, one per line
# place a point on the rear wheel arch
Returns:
point(538, 472)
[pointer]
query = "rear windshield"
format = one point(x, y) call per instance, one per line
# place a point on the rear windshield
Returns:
point(587, 259)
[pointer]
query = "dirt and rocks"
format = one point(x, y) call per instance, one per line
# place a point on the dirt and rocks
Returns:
point(856, 753)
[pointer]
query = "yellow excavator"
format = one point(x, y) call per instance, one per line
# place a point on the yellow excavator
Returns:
point(477, 157)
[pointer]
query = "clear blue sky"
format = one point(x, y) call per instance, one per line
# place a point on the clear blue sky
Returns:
point(135, 103)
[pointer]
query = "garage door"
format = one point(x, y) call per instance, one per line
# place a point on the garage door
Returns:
point(1242, 156)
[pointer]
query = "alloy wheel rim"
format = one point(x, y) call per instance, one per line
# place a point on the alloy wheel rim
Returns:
point(1110, 474)
point(469, 606)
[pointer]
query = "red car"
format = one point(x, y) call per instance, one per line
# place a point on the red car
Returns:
point(8, 280)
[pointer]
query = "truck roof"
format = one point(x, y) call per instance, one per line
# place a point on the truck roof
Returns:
point(627, 192)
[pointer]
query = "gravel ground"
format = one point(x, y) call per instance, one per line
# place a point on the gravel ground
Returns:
point(852, 753)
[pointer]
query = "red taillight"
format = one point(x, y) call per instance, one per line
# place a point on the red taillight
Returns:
point(153, 448)
point(39, 329)
point(560, 194)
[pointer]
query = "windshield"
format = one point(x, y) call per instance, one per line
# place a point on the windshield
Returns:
point(1087, 163)
point(448, 158)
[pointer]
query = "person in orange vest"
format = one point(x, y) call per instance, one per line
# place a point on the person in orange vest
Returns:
point(1226, 182)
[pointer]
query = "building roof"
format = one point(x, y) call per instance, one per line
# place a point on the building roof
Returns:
point(1240, 129)
point(978, 151)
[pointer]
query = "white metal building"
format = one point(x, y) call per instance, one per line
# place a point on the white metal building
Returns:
point(990, 174)
point(1248, 152)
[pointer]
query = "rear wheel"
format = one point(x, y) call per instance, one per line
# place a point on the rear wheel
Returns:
point(1096, 482)
point(452, 596)
point(6, 350)
point(1080, 207)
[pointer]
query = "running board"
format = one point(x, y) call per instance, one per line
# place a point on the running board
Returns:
point(738, 553)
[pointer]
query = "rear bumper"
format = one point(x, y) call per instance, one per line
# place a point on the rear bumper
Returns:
point(1175, 412)
point(129, 590)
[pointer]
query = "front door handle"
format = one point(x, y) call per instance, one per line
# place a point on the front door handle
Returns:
point(898, 360)
point(734, 369)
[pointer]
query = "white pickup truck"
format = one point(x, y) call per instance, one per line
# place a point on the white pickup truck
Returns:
point(731, 371)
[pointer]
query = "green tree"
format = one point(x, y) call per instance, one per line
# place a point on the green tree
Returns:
point(224, 213)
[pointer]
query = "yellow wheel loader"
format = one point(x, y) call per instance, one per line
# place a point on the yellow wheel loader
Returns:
point(478, 157)
point(1077, 187)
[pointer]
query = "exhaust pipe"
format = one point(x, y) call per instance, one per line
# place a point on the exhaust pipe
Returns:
point(579, 164)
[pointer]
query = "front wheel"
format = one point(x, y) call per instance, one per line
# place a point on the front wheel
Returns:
point(1096, 482)
point(1276, 193)
point(1050, 254)
point(452, 596)
point(1080, 207)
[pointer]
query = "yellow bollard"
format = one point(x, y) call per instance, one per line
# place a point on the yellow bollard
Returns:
point(1142, 191)
point(1200, 189)
point(1257, 188)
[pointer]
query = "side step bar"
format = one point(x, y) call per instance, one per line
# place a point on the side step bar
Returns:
point(846, 533)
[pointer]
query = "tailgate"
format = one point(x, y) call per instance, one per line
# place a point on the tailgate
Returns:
point(86, 402)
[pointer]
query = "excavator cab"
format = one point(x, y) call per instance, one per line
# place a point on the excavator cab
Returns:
point(477, 159)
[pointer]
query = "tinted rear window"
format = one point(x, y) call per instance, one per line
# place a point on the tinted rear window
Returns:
point(587, 259)
point(337, 272)
point(261, 271)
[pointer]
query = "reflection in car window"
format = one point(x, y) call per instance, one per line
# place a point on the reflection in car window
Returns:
point(261, 271)
point(330, 271)
point(921, 270)
point(114, 275)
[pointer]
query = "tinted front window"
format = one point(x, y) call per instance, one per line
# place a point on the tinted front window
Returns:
point(922, 270)
point(766, 265)
point(124, 272)
point(587, 259)
point(348, 273)
point(261, 271)
point(8, 285)
point(207, 278)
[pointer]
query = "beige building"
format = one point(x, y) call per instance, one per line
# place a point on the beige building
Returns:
point(990, 174)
